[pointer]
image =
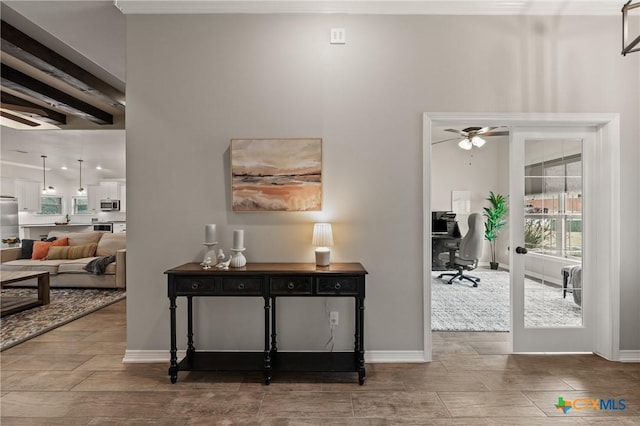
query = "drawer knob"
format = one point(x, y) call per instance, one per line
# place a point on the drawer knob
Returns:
point(241, 286)
point(194, 286)
point(337, 286)
point(290, 286)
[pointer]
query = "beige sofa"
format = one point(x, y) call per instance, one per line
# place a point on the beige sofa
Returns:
point(71, 273)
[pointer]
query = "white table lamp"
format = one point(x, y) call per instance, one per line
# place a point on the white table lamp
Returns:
point(322, 239)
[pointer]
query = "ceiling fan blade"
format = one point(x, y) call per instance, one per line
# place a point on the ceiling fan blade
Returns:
point(460, 132)
point(484, 130)
point(445, 140)
point(500, 133)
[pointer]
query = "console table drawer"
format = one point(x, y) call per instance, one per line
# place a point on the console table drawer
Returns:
point(338, 285)
point(240, 286)
point(291, 285)
point(195, 285)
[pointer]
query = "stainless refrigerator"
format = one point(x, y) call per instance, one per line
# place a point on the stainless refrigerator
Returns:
point(9, 217)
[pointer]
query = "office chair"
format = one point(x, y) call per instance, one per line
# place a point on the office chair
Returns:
point(469, 251)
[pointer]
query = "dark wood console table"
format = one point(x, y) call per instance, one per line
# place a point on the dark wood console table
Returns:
point(268, 281)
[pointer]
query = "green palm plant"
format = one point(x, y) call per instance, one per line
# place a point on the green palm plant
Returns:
point(496, 219)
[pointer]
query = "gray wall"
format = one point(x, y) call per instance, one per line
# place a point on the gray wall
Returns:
point(195, 82)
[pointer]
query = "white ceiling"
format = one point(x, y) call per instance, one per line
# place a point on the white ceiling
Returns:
point(105, 148)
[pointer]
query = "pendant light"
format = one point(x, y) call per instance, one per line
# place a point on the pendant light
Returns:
point(45, 188)
point(80, 189)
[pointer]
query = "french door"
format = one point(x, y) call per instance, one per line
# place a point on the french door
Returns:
point(585, 230)
point(554, 196)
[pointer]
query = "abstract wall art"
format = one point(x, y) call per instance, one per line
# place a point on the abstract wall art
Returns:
point(276, 174)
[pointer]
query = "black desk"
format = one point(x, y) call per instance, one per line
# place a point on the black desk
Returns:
point(268, 281)
point(441, 244)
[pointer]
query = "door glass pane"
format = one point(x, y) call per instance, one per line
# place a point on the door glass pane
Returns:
point(553, 233)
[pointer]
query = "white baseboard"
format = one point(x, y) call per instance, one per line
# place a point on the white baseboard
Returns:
point(162, 356)
point(378, 357)
point(133, 357)
point(629, 356)
point(394, 356)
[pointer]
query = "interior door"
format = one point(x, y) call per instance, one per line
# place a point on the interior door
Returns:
point(553, 223)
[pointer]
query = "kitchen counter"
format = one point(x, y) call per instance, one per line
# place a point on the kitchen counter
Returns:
point(39, 230)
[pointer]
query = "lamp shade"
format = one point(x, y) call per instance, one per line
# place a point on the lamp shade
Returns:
point(322, 235)
point(465, 144)
point(478, 141)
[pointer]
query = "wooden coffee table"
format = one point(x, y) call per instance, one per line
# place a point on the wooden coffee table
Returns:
point(11, 305)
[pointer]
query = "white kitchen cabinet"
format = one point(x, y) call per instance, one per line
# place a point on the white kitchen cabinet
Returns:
point(93, 198)
point(119, 227)
point(28, 194)
point(8, 187)
point(110, 190)
point(123, 198)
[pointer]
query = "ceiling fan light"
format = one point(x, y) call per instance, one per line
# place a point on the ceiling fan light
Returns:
point(465, 144)
point(478, 141)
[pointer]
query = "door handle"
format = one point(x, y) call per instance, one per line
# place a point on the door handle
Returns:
point(521, 250)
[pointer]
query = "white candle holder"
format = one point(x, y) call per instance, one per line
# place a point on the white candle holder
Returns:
point(210, 253)
point(238, 260)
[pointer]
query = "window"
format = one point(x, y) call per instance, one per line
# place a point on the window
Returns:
point(80, 205)
point(51, 204)
point(553, 211)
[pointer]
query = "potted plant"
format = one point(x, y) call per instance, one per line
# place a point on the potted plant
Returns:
point(496, 215)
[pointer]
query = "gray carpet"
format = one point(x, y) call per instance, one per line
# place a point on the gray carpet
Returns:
point(66, 305)
point(460, 307)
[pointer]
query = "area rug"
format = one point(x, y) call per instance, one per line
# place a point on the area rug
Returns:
point(460, 307)
point(66, 305)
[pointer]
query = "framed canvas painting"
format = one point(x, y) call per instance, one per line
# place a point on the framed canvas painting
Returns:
point(276, 175)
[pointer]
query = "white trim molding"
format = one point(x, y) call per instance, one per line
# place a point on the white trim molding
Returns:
point(371, 357)
point(373, 7)
point(149, 356)
point(629, 356)
point(162, 356)
point(380, 357)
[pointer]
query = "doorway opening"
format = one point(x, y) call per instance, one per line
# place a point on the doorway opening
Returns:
point(605, 130)
point(462, 182)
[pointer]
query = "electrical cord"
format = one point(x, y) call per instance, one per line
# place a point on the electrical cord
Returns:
point(329, 343)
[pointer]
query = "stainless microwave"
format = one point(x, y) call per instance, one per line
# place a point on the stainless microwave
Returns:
point(110, 205)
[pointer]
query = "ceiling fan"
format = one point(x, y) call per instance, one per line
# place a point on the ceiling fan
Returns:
point(471, 136)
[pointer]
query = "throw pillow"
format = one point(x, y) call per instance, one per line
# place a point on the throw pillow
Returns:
point(27, 248)
point(41, 248)
point(72, 252)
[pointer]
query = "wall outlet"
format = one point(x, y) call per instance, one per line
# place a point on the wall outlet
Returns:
point(333, 318)
point(338, 36)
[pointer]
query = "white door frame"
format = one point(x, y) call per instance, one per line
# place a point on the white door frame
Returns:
point(607, 126)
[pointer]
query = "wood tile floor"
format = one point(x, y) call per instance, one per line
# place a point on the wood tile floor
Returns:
point(74, 376)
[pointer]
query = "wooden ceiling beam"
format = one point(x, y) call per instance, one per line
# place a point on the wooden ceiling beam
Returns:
point(17, 104)
point(22, 83)
point(22, 47)
point(17, 119)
